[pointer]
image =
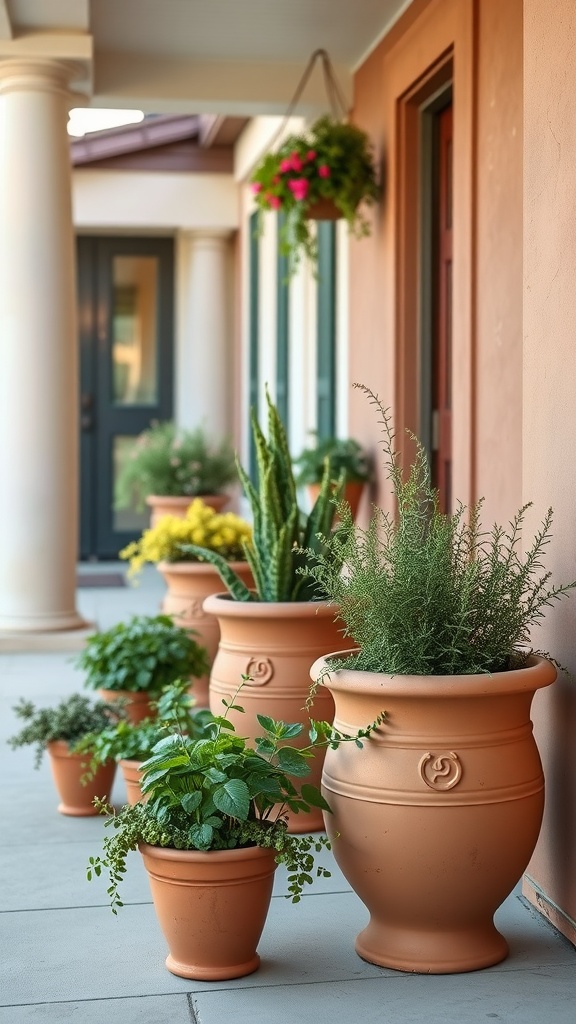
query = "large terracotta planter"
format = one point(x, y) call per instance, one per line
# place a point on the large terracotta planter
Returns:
point(189, 584)
point(138, 703)
point(435, 818)
point(67, 771)
point(132, 776)
point(160, 505)
point(211, 907)
point(275, 644)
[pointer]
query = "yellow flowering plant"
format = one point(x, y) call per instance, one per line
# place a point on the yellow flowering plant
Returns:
point(223, 532)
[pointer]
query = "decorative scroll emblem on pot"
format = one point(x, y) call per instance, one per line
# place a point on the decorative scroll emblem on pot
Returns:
point(260, 671)
point(440, 771)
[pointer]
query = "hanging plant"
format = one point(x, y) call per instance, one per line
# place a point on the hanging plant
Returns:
point(325, 173)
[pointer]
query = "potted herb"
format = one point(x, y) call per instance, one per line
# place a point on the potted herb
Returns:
point(58, 730)
point(137, 659)
point(211, 834)
point(190, 578)
point(169, 466)
point(347, 458)
point(273, 631)
point(130, 744)
point(327, 172)
point(436, 820)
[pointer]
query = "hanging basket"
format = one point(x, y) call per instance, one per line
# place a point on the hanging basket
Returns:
point(323, 209)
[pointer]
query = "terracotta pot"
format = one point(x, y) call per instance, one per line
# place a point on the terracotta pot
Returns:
point(437, 816)
point(67, 771)
point(211, 907)
point(189, 584)
point(323, 209)
point(177, 506)
point(138, 706)
point(353, 492)
point(275, 643)
point(132, 775)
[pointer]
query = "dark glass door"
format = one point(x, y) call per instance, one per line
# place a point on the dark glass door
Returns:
point(125, 290)
point(442, 322)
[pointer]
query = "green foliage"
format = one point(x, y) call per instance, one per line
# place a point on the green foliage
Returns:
point(216, 793)
point(283, 538)
point(70, 720)
point(331, 160)
point(146, 653)
point(171, 462)
point(126, 740)
point(346, 457)
point(428, 594)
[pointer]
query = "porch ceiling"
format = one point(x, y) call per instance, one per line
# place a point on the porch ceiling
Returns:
point(240, 57)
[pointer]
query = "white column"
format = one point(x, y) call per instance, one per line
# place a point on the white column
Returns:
point(38, 353)
point(205, 349)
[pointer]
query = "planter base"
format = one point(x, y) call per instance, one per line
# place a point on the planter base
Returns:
point(200, 973)
point(453, 952)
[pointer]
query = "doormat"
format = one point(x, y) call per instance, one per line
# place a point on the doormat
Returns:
point(100, 579)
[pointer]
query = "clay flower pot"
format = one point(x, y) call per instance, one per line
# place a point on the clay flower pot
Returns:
point(67, 771)
point(132, 776)
point(189, 584)
point(211, 907)
point(438, 814)
point(353, 492)
point(275, 644)
point(160, 505)
point(138, 706)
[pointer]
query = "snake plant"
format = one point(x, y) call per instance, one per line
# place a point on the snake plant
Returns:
point(284, 539)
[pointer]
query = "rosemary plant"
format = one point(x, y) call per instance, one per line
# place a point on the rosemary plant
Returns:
point(284, 539)
point(425, 593)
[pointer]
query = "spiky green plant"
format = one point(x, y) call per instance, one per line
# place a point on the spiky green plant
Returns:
point(425, 593)
point(284, 539)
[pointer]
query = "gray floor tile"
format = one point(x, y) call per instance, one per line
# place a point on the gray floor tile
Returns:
point(138, 1010)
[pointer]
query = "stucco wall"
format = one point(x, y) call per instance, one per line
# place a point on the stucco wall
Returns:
point(550, 411)
point(487, 368)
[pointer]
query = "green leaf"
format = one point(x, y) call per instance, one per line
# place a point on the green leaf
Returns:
point(191, 801)
point(233, 798)
point(292, 761)
point(201, 836)
point(313, 796)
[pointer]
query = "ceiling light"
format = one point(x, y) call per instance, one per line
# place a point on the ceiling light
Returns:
point(89, 119)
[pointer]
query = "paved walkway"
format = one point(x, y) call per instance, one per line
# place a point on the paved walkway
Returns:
point(65, 957)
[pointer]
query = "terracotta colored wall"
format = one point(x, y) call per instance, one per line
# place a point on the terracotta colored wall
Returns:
point(550, 411)
point(487, 41)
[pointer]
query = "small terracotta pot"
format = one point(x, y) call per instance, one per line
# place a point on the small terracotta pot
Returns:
point(67, 771)
point(189, 584)
point(353, 492)
point(160, 505)
point(436, 817)
point(138, 706)
point(275, 644)
point(132, 776)
point(323, 209)
point(211, 907)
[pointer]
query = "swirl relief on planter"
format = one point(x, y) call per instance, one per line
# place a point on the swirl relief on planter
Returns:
point(440, 771)
point(260, 671)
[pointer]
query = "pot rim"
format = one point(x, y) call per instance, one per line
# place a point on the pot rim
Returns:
point(178, 498)
point(238, 854)
point(224, 605)
point(539, 672)
point(195, 567)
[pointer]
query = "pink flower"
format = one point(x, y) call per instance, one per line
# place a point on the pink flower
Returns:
point(296, 162)
point(324, 171)
point(311, 154)
point(275, 202)
point(285, 165)
point(256, 187)
point(299, 188)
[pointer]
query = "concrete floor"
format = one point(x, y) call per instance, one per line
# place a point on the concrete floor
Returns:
point(65, 957)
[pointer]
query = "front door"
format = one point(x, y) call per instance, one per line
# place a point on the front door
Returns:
point(125, 290)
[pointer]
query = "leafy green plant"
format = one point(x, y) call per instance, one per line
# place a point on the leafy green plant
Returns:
point(124, 740)
point(217, 793)
point(283, 538)
point(346, 457)
point(331, 160)
point(172, 462)
point(425, 593)
point(146, 653)
point(70, 720)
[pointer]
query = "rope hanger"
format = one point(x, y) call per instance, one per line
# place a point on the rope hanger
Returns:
point(333, 91)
